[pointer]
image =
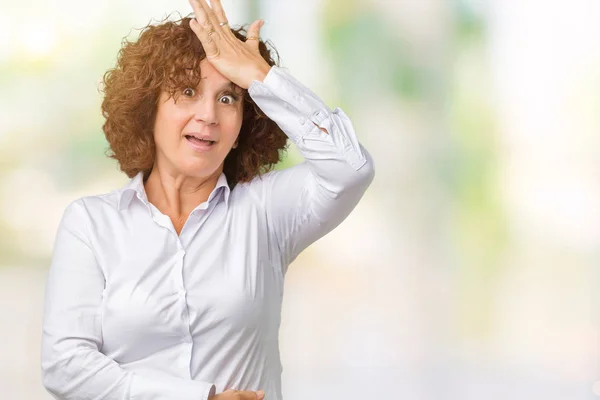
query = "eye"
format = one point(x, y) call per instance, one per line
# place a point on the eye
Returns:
point(189, 92)
point(232, 98)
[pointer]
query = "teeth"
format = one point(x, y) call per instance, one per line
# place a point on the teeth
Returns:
point(204, 140)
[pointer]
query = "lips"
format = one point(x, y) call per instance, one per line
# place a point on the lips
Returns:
point(200, 145)
point(199, 138)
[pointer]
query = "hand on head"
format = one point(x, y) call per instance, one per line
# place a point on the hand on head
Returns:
point(238, 61)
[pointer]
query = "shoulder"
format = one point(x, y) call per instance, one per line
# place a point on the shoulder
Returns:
point(88, 216)
point(95, 205)
point(102, 201)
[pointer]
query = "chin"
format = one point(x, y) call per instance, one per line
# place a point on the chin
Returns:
point(199, 168)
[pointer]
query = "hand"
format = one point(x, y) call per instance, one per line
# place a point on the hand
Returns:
point(239, 395)
point(238, 61)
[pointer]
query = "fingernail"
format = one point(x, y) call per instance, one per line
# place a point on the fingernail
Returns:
point(262, 22)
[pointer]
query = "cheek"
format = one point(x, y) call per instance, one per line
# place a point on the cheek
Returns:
point(168, 124)
point(231, 123)
point(230, 115)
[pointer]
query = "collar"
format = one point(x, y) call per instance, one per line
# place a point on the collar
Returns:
point(135, 187)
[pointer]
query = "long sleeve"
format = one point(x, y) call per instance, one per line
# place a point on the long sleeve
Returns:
point(73, 368)
point(306, 201)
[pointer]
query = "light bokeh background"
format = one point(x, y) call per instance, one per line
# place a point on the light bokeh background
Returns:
point(470, 270)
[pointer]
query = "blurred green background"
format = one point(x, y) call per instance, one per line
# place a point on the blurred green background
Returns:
point(470, 268)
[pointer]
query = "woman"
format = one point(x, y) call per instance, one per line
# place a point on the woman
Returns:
point(170, 288)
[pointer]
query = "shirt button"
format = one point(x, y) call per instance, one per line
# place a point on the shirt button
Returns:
point(302, 120)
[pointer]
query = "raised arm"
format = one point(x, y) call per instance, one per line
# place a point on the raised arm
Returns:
point(73, 368)
point(306, 201)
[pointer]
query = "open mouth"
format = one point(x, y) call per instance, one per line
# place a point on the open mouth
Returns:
point(202, 142)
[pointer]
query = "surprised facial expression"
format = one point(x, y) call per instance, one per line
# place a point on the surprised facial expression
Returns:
point(194, 132)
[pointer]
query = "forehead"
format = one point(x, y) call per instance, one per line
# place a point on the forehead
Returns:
point(211, 77)
point(207, 71)
point(208, 78)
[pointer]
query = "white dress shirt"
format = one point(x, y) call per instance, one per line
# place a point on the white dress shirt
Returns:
point(134, 311)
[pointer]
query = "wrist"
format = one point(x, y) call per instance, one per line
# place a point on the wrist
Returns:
point(261, 73)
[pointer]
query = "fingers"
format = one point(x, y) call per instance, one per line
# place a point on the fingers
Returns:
point(223, 22)
point(208, 28)
point(206, 38)
point(203, 28)
point(231, 394)
point(201, 16)
point(254, 33)
point(217, 8)
point(210, 14)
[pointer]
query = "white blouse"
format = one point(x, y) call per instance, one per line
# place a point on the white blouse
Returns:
point(134, 311)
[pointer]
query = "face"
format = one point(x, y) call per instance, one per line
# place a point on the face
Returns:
point(195, 132)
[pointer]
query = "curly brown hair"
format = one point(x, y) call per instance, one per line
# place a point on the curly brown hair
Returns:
point(166, 57)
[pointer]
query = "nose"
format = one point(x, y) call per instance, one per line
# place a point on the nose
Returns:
point(204, 110)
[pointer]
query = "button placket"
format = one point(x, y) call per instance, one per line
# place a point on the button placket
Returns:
point(186, 336)
point(179, 264)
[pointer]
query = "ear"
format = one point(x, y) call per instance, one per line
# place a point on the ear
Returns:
point(235, 144)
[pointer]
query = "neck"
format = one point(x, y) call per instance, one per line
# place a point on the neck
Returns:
point(176, 194)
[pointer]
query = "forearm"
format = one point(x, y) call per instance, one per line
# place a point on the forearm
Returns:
point(326, 139)
point(87, 374)
point(308, 200)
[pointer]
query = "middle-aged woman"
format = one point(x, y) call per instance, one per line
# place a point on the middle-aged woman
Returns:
point(170, 288)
